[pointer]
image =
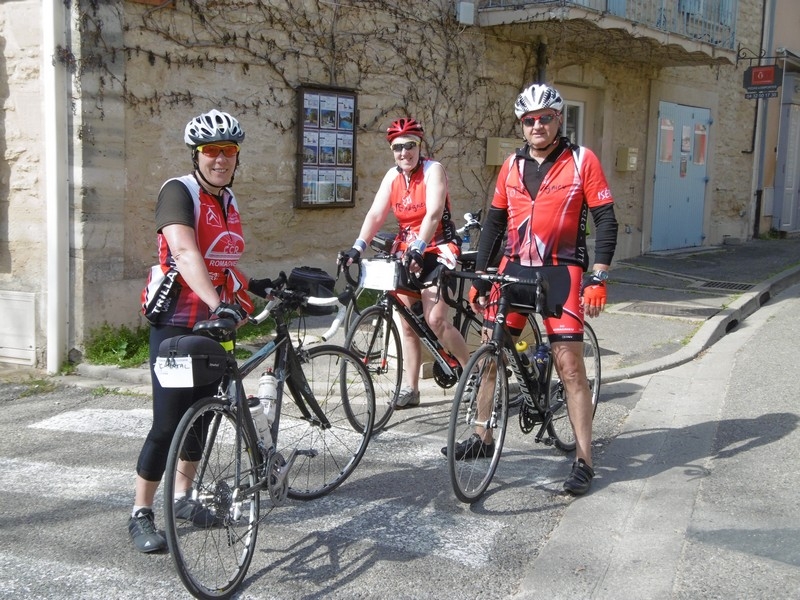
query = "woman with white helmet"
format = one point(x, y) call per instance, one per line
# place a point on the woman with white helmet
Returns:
point(543, 196)
point(200, 242)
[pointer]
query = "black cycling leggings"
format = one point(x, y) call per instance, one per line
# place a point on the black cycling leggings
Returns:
point(169, 406)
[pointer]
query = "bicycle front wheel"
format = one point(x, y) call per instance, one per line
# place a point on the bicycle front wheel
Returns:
point(220, 460)
point(375, 339)
point(481, 402)
point(325, 454)
point(560, 427)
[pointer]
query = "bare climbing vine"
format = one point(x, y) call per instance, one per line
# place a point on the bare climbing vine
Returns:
point(400, 57)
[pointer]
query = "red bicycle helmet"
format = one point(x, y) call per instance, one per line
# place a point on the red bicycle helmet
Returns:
point(406, 126)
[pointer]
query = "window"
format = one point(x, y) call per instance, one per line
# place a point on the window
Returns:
point(326, 148)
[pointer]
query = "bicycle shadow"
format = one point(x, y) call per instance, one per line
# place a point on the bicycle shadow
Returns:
point(378, 522)
point(639, 454)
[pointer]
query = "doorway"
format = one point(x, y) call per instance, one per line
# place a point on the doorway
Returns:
point(681, 176)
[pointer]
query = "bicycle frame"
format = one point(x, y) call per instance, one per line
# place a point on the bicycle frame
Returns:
point(446, 361)
point(535, 391)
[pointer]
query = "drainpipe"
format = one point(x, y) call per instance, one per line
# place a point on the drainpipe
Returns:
point(56, 184)
point(757, 187)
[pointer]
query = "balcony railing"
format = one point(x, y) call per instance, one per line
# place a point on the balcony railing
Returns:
point(709, 21)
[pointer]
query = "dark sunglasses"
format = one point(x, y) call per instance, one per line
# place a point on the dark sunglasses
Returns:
point(543, 119)
point(214, 150)
point(408, 147)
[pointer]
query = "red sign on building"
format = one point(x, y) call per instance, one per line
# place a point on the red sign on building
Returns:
point(762, 82)
point(759, 79)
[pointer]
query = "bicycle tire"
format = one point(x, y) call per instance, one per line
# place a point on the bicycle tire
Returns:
point(326, 456)
point(471, 476)
point(560, 428)
point(212, 562)
point(351, 314)
point(375, 339)
point(472, 331)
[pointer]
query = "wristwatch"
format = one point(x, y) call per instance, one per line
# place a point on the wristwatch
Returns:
point(601, 275)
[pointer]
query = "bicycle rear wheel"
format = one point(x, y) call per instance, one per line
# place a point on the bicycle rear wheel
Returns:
point(326, 455)
point(481, 399)
point(375, 339)
point(221, 461)
point(560, 428)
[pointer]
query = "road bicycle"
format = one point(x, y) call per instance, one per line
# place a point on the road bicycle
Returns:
point(482, 397)
point(373, 333)
point(309, 450)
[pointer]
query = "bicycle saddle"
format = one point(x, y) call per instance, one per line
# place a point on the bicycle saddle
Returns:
point(221, 330)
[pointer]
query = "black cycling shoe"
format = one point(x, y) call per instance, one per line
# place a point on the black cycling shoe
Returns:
point(580, 479)
point(143, 532)
point(472, 447)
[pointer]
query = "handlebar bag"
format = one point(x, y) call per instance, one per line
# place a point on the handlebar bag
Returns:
point(189, 361)
point(314, 282)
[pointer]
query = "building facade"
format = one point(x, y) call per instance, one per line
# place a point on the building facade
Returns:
point(96, 96)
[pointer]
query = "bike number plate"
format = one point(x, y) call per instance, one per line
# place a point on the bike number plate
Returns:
point(379, 274)
point(175, 372)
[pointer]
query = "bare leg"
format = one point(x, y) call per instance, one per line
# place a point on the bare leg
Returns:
point(436, 315)
point(572, 370)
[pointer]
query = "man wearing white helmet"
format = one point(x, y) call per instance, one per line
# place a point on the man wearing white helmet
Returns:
point(543, 196)
point(200, 242)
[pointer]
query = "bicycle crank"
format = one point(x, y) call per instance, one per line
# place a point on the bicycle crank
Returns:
point(277, 484)
point(445, 380)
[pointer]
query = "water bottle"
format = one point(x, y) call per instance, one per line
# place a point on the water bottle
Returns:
point(261, 421)
point(268, 394)
point(527, 355)
point(465, 241)
point(540, 358)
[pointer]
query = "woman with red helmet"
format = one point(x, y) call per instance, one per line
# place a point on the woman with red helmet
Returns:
point(415, 189)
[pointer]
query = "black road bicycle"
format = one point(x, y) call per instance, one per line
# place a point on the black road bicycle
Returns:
point(312, 446)
point(482, 398)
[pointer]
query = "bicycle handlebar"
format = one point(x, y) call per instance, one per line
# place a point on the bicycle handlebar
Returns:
point(281, 295)
point(540, 294)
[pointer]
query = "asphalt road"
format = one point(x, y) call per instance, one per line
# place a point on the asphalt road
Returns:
point(393, 530)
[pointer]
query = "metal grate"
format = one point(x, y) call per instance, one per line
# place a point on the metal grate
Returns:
point(724, 285)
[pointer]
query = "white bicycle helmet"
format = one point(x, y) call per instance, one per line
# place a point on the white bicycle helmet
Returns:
point(213, 126)
point(537, 97)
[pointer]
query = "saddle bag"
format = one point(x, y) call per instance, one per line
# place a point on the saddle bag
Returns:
point(187, 361)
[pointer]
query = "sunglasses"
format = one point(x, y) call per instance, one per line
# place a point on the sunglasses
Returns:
point(214, 150)
point(543, 119)
point(408, 147)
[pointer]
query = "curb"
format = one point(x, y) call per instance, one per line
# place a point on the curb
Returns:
point(114, 373)
point(714, 328)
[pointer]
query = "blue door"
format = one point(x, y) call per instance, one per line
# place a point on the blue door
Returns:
point(681, 177)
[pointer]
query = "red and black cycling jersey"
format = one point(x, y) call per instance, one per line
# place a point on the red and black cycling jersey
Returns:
point(218, 231)
point(544, 209)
